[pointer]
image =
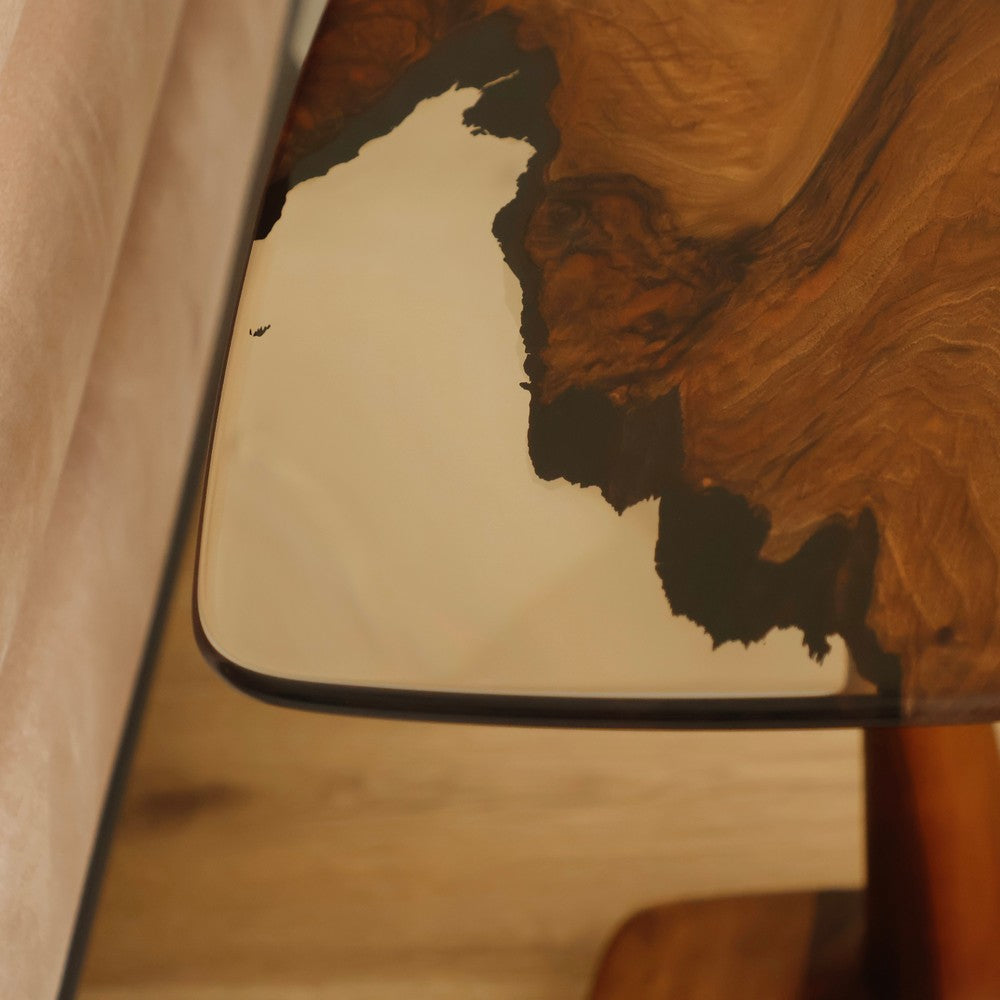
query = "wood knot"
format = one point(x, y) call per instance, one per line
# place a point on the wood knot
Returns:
point(944, 635)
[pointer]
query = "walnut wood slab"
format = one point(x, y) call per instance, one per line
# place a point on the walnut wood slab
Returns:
point(758, 251)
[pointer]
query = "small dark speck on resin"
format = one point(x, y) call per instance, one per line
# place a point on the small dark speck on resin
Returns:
point(260, 331)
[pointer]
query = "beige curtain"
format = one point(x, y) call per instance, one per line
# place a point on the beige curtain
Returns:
point(128, 131)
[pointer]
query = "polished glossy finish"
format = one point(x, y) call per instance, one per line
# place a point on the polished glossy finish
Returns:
point(536, 409)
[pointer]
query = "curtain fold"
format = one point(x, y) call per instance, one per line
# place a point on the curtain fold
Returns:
point(127, 163)
point(78, 90)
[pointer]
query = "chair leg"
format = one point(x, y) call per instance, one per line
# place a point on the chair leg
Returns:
point(926, 928)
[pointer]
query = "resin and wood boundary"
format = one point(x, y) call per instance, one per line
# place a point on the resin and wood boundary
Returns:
point(758, 253)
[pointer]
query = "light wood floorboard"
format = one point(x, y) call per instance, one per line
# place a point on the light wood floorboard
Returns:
point(267, 853)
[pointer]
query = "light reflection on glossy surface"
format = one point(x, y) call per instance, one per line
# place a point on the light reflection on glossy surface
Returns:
point(372, 515)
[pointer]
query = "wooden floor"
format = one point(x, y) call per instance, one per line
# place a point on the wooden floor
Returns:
point(267, 854)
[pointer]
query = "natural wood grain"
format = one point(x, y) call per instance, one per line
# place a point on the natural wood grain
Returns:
point(268, 853)
point(771, 80)
point(834, 366)
point(757, 250)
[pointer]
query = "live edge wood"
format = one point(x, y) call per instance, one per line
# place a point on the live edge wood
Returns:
point(758, 247)
point(926, 928)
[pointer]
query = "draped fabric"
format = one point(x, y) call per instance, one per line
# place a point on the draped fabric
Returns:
point(129, 133)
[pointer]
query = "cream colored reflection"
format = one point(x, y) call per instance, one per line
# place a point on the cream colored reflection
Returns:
point(372, 514)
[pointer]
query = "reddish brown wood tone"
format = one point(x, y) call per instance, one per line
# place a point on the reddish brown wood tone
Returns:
point(801, 946)
point(933, 800)
point(360, 49)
